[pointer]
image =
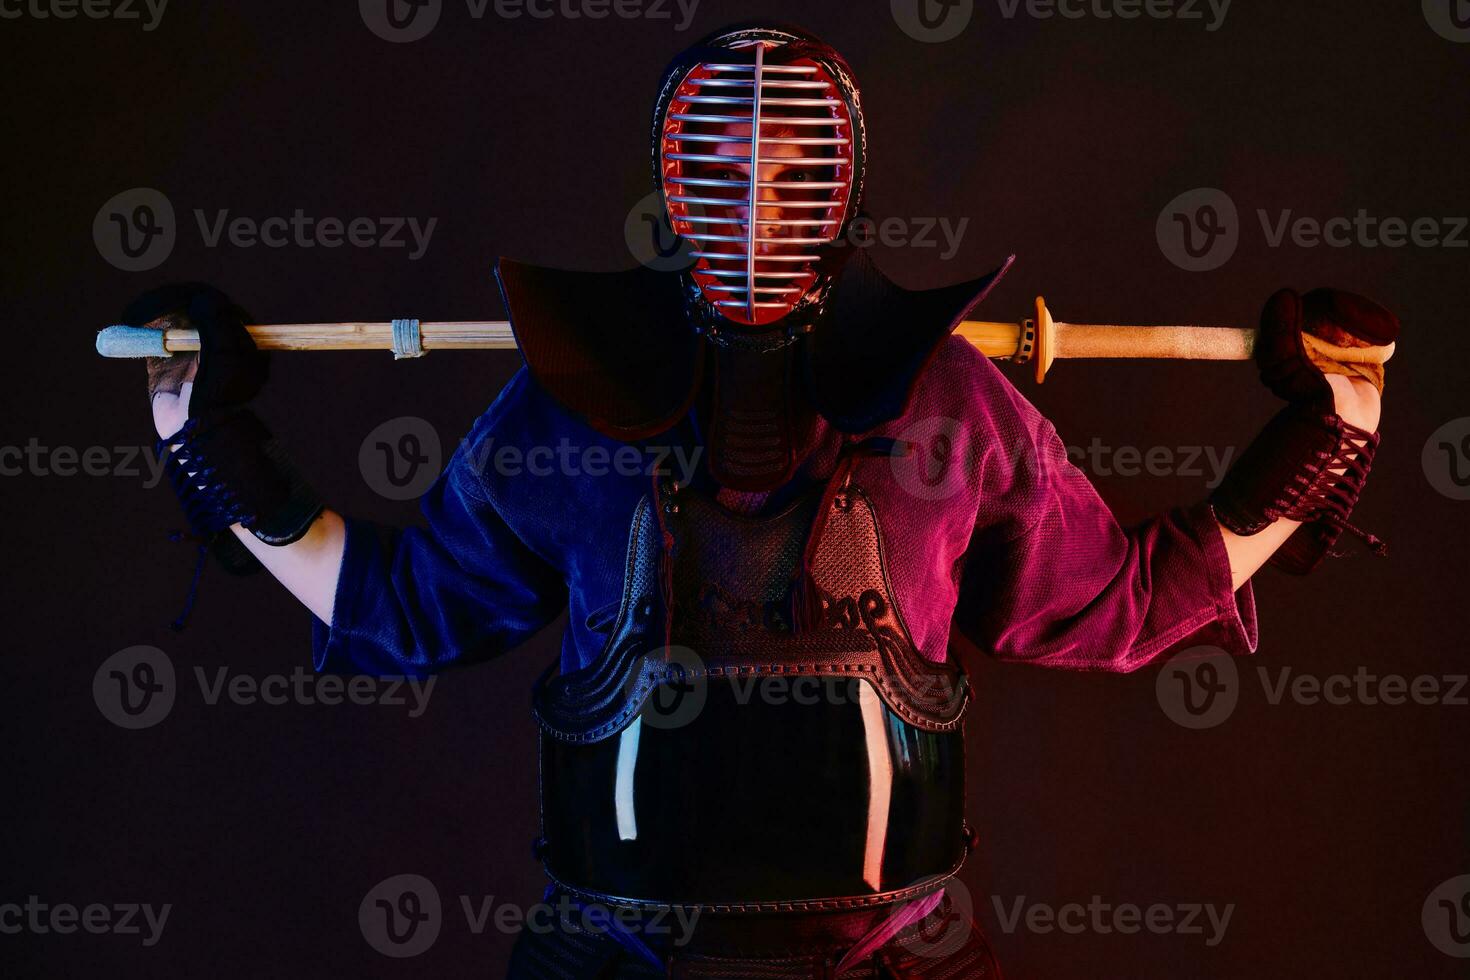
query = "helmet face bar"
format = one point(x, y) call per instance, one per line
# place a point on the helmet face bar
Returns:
point(757, 153)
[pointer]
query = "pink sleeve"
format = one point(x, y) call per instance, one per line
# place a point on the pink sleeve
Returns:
point(1051, 578)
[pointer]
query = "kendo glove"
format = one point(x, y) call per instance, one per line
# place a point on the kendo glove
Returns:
point(1309, 464)
point(222, 462)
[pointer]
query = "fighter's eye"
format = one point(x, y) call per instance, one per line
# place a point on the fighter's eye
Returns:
point(798, 177)
point(725, 173)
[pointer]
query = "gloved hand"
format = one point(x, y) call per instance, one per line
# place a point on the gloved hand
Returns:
point(1309, 463)
point(1303, 339)
point(220, 458)
point(227, 372)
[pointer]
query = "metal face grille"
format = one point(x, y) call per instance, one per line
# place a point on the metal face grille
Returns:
point(757, 174)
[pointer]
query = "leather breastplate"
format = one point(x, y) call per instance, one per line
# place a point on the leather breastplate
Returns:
point(759, 732)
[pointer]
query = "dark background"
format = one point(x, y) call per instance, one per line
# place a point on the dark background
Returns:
point(1061, 140)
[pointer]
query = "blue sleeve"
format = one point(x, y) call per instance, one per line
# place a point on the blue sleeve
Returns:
point(461, 590)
